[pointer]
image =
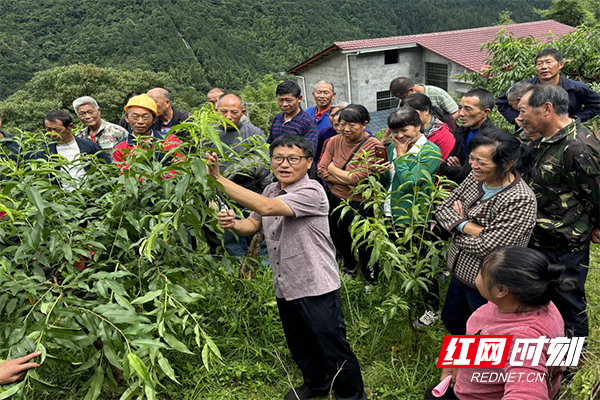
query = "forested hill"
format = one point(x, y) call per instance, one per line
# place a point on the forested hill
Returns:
point(210, 42)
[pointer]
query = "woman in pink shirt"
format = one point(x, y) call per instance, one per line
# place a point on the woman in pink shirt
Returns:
point(518, 283)
point(436, 131)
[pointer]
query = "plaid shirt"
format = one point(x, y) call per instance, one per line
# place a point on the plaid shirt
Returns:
point(108, 134)
point(508, 219)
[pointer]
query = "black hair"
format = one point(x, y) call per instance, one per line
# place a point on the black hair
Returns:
point(59, 115)
point(486, 98)
point(290, 140)
point(506, 148)
point(557, 55)
point(421, 102)
point(288, 87)
point(400, 86)
point(548, 93)
point(403, 117)
point(355, 113)
point(526, 274)
point(130, 95)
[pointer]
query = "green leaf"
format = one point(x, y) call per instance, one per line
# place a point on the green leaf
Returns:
point(95, 384)
point(213, 347)
point(155, 344)
point(34, 197)
point(206, 357)
point(12, 391)
point(150, 392)
point(140, 368)
point(148, 297)
point(176, 344)
point(165, 366)
point(89, 363)
point(43, 385)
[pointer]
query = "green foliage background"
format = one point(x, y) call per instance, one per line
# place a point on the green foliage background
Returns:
point(214, 43)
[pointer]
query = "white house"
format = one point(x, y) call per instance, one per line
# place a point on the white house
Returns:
point(362, 70)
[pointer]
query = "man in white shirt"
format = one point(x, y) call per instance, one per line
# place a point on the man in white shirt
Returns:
point(59, 125)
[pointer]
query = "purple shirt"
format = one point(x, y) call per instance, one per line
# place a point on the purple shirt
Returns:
point(301, 252)
point(300, 124)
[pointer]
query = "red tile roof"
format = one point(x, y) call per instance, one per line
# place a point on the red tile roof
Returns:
point(461, 47)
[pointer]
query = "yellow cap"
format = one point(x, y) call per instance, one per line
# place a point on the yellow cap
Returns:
point(142, 100)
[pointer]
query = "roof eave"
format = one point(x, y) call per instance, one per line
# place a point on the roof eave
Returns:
point(314, 58)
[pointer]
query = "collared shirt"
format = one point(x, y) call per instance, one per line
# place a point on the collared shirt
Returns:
point(108, 134)
point(567, 188)
point(177, 118)
point(320, 118)
point(301, 124)
point(301, 252)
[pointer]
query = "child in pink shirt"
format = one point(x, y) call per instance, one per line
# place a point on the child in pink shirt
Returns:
point(518, 283)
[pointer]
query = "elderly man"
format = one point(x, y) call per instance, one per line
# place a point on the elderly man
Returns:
point(584, 103)
point(474, 109)
point(324, 93)
point(167, 115)
point(213, 95)
point(141, 114)
point(305, 272)
point(567, 188)
point(250, 172)
point(106, 134)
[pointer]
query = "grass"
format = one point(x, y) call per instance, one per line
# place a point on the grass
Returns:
point(242, 318)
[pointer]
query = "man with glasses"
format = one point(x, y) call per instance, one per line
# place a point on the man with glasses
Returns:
point(294, 215)
point(106, 134)
point(323, 94)
point(292, 119)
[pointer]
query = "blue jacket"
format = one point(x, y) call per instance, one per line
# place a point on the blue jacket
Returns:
point(583, 101)
point(322, 123)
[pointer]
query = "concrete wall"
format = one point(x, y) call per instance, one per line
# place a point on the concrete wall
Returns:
point(331, 68)
point(370, 74)
point(454, 85)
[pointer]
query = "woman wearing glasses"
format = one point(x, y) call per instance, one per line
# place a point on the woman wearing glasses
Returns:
point(342, 166)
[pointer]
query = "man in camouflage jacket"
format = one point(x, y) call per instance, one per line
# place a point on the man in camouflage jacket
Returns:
point(567, 188)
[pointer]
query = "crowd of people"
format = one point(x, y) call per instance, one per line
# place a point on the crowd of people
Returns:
point(524, 203)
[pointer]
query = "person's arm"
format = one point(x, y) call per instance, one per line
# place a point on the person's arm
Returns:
point(445, 212)
point(242, 227)
point(265, 206)
point(339, 176)
point(455, 115)
point(590, 101)
point(312, 134)
point(584, 160)
point(448, 104)
point(515, 220)
point(11, 370)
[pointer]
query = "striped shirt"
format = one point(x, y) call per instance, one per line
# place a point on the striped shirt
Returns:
point(300, 124)
point(440, 98)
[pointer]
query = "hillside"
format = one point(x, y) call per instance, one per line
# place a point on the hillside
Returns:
point(209, 42)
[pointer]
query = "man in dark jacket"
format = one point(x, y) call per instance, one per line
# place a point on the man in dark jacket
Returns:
point(9, 148)
point(167, 115)
point(473, 111)
point(59, 125)
point(584, 103)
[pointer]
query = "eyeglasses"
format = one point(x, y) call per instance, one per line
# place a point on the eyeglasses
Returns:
point(293, 160)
